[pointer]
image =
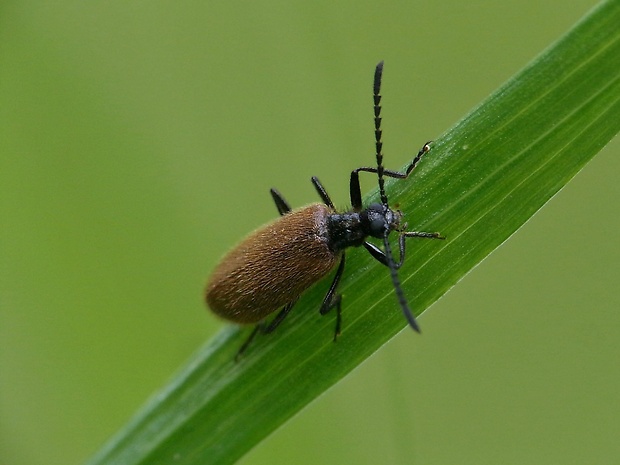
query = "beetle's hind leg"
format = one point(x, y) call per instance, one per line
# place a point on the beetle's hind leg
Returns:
point(265, 328)
point(332, 299)
point(247, 342)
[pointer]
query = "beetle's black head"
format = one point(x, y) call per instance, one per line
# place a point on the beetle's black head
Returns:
point(377, 219)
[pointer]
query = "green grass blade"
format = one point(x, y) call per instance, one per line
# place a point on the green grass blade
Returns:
point(482, 180)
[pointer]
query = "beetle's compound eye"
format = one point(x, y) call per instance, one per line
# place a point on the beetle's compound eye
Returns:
point(374, 219)
point(377, 226)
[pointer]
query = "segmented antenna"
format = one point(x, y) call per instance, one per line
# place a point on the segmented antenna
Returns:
point(399, 291)
point(378, 144)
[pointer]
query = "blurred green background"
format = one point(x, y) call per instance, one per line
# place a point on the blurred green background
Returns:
point(138, 142)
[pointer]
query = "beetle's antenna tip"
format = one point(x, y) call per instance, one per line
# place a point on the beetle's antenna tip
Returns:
point(378, 73)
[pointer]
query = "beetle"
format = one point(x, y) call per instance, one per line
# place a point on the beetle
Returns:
point(275, 264)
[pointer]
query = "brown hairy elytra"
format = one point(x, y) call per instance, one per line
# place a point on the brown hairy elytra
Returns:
point(274, 265)
point(246, 287)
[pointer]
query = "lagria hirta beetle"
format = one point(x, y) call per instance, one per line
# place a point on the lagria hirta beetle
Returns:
point(274, 265)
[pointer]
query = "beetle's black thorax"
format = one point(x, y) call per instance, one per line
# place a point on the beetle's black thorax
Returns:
point(350, 229)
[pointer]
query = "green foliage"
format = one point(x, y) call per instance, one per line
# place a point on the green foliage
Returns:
point(481, 181)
